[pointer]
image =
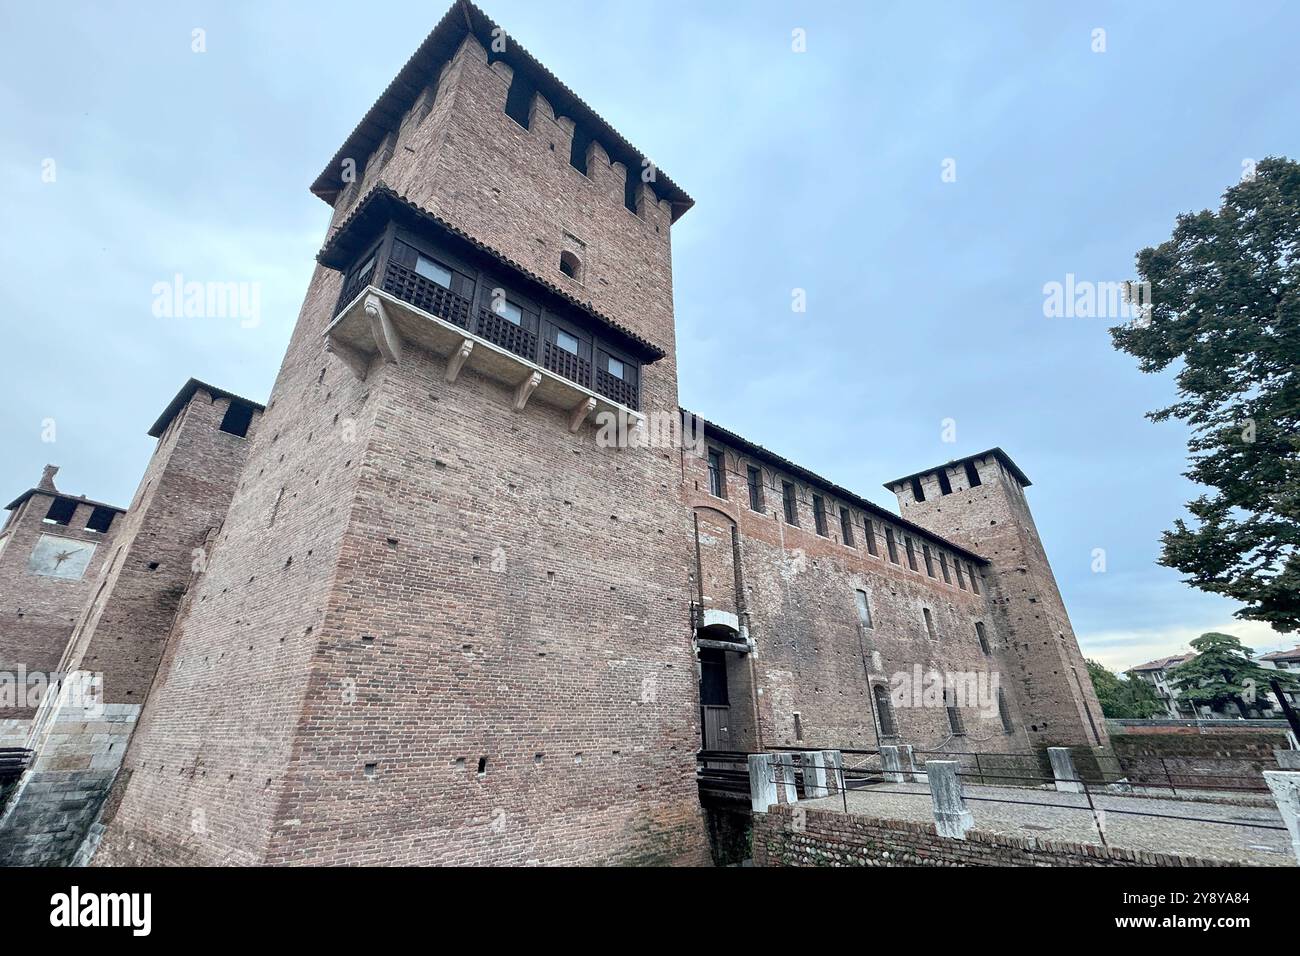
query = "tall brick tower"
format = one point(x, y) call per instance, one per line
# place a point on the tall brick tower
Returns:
point(443, 622)
point(979, 501)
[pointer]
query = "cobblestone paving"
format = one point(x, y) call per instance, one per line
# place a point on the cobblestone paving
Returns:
point(1065, 816)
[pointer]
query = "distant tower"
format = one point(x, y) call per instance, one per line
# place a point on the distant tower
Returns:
point(444, 621)
point(51, 549)
point(79, 735)
point(979, 502)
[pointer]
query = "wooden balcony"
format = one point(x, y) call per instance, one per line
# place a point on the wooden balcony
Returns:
point(377, 324)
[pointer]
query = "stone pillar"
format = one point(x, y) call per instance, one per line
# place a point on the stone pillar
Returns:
point(892, 761)
point(762, 788)
point(834, 761)
point(909, 763)
point(786, 791)
point(1288, 759)
point(1067, 778)
point(951, 818)
point(1286, 791)
point(814, 774)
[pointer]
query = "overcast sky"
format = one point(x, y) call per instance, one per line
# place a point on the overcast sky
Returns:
point(920, 170)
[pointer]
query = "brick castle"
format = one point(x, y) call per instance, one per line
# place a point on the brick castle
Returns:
point(472, 588)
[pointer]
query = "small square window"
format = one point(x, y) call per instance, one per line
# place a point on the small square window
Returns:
point(616, 368)
point(433, 271)
point(566, 341)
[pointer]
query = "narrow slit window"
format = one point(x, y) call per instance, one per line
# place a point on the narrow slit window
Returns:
point(717, 474)
point(519, 100)
point(974, 578)
point(846, 527)
point(755, 477)
point(911, 552)
point(943, 566)
point(955, 725)
point(929, 623)
point(869, 529)
point(929, 559)
point(790, 504)
point(819, 514)
point(1004, 713)
point(884, 711)
point(864, 608)
point(961, 578)
point(891, 545)
point(982, 638)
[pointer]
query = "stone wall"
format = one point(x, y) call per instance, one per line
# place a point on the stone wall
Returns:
point(796, 836)
point(1231, 759)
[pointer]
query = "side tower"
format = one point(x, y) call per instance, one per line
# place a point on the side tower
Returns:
point(444, 620)
point(51, 550)
point(78, 738)
point(979, 501)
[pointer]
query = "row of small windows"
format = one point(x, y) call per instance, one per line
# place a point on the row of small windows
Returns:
point(62, 510)
point(888, 723)
point(945, 486)
point(863, 602)
point(790, 508)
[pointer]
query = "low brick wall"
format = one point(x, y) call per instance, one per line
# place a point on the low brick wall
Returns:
point(831, 838)
point(1227, 758)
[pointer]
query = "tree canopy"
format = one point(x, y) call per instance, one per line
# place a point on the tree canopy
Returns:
point(1127, 698)
point(1223, 672)
point(1224, 296)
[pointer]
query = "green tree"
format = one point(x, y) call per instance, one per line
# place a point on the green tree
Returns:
point(1223, 672)
point(1224, 295)
point(1124, 698)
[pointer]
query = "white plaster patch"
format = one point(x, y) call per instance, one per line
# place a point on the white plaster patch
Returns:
point(57, 557)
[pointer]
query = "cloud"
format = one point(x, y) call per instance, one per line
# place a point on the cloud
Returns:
point(1122, 649)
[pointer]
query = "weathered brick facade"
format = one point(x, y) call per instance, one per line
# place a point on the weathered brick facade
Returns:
point(993, 519)
point(435, 628)
point(115, 647)
point(49, 563)
point(444, 619)
point(814, 655)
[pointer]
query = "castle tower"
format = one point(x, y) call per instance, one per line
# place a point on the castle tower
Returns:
point(979, 502)
point(51, 549)
point(79, 735)
point(444, 620)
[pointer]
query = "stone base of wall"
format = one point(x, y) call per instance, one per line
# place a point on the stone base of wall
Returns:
point(51, 810)
point(783, 837)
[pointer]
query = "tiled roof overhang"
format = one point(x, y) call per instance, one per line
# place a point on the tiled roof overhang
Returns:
point(798, 471)
point(382, 204)
point(422, 69)
point(183, 398)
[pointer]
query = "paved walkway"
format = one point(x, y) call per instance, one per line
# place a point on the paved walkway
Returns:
point(1066, 817)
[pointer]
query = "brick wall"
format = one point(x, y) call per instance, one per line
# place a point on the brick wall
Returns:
point(993, 519)
point(413, 577)
point(1229, 759)
point(827, 838)
point(37, 611)
point(812, 657)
